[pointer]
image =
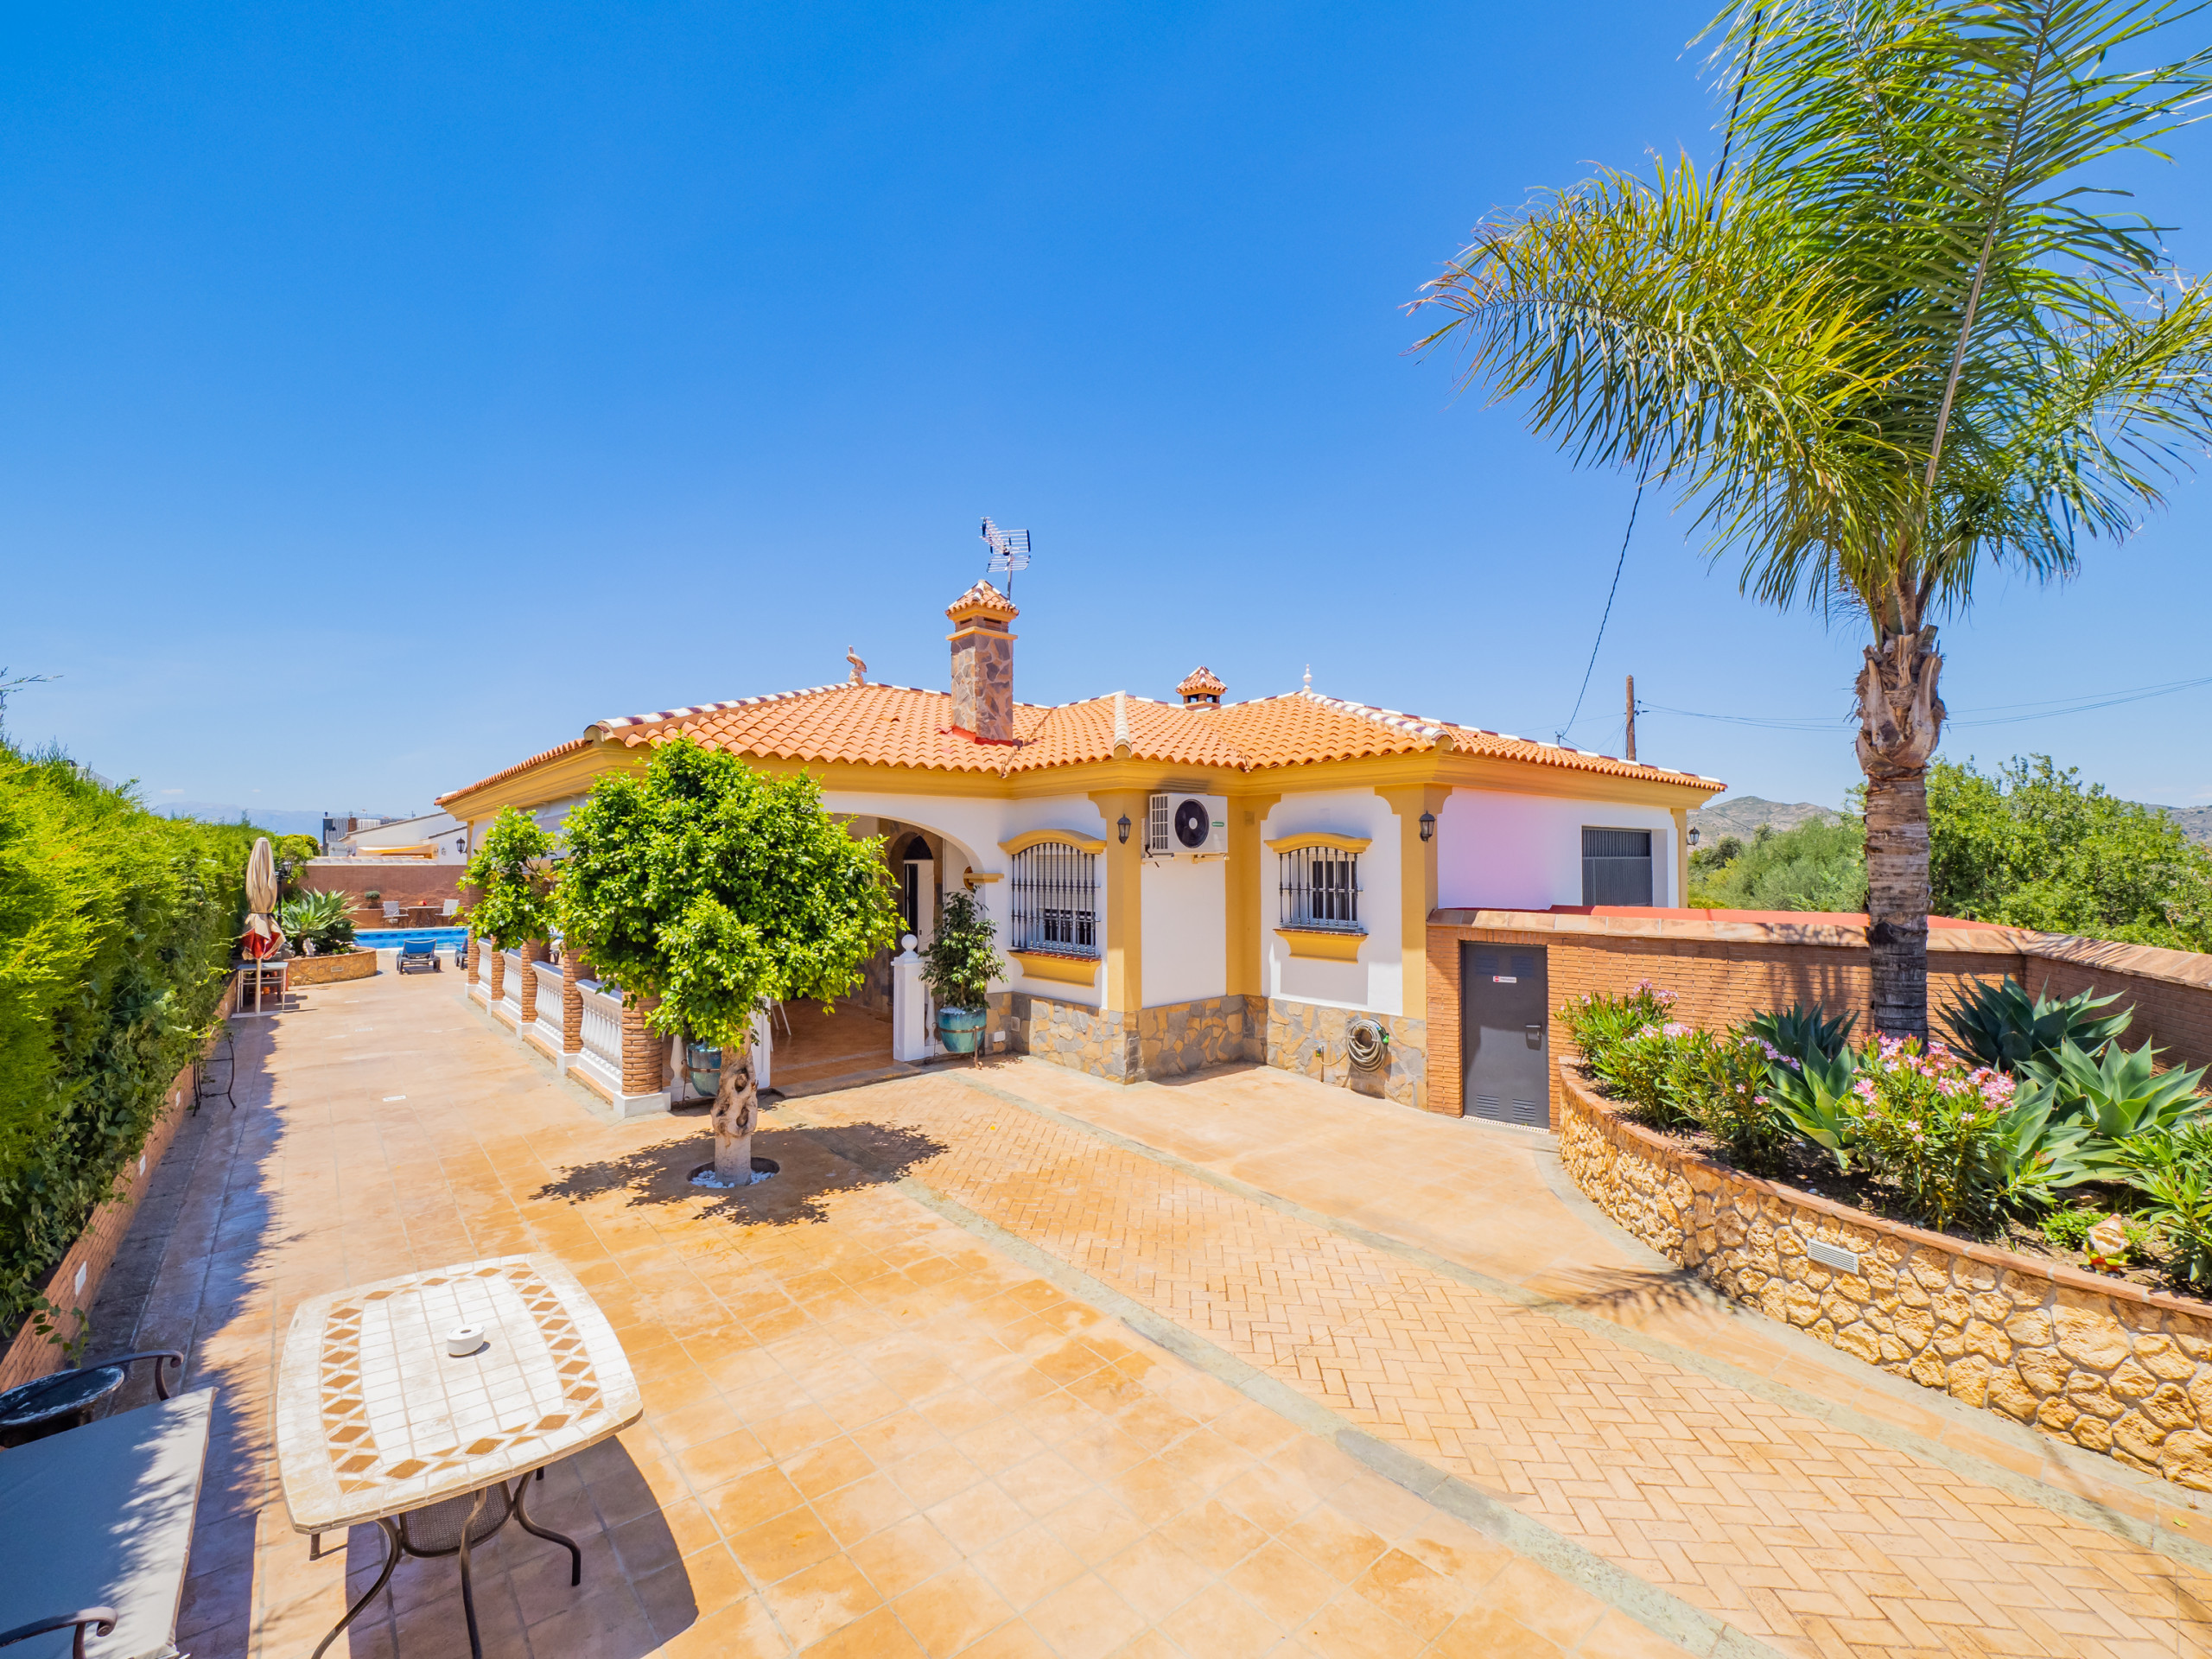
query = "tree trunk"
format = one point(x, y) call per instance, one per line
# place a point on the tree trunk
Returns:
point(1900, 719)
point(737, 1108)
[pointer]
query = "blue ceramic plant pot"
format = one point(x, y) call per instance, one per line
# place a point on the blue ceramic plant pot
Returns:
point(705, 1066)
point(960, 1029)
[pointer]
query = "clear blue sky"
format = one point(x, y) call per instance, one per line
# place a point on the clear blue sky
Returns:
point(390, 391)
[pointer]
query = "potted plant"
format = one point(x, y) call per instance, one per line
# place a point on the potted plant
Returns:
point(958, 966)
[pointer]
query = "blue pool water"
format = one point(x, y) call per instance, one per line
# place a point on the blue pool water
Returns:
point(372, 937)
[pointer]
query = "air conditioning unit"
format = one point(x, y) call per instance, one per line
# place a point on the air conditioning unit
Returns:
point(1187, 826)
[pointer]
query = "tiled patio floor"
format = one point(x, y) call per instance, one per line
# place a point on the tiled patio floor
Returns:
point(892, 1405)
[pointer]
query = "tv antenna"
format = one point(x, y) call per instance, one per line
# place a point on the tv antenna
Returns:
point(1009, 553)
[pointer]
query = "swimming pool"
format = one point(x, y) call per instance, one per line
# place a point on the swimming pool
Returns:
point(389, 936)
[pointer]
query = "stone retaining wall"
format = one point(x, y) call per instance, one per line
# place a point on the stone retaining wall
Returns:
point(1181, 1036)
point(1308, 1038)
point(327, 970)
point(2098, 1362)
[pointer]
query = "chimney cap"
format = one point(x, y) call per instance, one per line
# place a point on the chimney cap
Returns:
point(983, 600)
point(1201, 689)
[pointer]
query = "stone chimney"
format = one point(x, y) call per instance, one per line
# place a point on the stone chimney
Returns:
point(1201, 689)
point(982, 664)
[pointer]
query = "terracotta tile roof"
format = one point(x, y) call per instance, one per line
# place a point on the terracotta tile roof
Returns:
point(981, 600)
point(518, 768)
point(899, 726)
point(1201, 682)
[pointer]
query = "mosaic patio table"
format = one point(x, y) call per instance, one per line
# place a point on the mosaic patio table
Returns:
point(377, 1422)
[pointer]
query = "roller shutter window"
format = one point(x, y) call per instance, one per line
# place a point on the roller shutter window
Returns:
point(1616, 866)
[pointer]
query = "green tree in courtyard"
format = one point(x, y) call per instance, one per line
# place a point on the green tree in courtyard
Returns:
point(1818, 865)
point(1901, 342)
point(721, 891)
point(511, 874)
point(2030, 846)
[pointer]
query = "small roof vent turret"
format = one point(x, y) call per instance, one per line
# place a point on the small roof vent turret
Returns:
point(1201, 689)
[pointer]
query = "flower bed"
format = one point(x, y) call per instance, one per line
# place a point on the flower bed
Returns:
point(327, 969)
point(2108, 1365)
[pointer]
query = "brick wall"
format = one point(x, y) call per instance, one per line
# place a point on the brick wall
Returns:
point(1722, 970)
point(31, 1355)
point(410, 880)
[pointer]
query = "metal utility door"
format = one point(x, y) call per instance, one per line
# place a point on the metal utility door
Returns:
point(1504, 1014)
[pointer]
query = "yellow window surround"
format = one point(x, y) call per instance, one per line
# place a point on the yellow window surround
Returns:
point(1323, 944)
point(1069, 970)
point(1320, 838)
point(1028, 838)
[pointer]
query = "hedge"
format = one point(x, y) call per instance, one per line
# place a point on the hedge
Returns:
point(116, 927)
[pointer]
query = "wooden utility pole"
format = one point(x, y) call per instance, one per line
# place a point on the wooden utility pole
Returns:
point(1632, 716)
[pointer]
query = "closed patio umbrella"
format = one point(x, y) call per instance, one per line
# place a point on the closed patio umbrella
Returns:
point(262, 938)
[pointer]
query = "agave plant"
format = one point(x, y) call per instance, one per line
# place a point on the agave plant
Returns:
point(2028, 1160)
point(324, 917)
point(1815, 1097)
point(2117, 1096)
point(1802, 1030)
point(2000, 1027)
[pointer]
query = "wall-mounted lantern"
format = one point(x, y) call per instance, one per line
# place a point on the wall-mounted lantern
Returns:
point(1124, 826)
point(1429, 826)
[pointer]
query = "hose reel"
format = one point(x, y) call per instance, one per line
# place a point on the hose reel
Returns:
point(1367, 1043)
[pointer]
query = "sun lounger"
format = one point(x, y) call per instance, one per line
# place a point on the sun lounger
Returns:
point(96, 1531)
point(417, 955)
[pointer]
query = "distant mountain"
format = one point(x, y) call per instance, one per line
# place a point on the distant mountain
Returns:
point(1742, 815)
point(2195, 822)
point(278, 820)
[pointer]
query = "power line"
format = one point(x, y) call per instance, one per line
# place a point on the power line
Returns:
point(1991, 714)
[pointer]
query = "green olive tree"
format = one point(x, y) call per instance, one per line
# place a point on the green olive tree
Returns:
point(1912, 337)
point(721, 891)
point(510, 875)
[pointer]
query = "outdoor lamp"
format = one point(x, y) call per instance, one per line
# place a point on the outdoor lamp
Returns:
point(1429, 826)
point(1124, 826)
point(1692, 836)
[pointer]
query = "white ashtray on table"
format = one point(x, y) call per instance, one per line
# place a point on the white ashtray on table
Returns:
point(423, 1404)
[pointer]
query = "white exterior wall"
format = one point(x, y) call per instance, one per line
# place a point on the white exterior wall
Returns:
point(1377, 981)
point(1185, 930)
point(1524, 852)
point(972, 828)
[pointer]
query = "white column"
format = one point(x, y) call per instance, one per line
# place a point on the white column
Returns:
point(764, 1043)
point(910, 1030)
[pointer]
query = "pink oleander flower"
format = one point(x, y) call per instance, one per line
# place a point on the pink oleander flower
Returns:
point(1674, 1028)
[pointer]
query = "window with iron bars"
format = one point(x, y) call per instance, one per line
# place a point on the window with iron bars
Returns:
point(1320, 888)
point(1056, 900)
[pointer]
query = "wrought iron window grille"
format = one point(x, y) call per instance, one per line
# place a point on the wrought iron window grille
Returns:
point(1055, 901)
point(1320, 889)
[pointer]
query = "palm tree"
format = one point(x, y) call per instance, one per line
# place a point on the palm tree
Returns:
point(1903, 341)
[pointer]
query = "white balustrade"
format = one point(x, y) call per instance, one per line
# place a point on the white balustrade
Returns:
point(549, 1003)
point(603, 1037)
point(511, 984)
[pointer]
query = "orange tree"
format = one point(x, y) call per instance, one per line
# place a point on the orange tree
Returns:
point(1907, 338)
point(721, 891)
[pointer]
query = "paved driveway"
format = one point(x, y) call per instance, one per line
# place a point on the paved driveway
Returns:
point(1009, 1361)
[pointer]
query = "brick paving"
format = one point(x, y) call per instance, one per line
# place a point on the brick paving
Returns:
point(867, 1432)
point(1813, 1539)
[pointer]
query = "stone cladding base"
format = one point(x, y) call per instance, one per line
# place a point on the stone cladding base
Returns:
point(1182, 1037)
point(2098, 1362)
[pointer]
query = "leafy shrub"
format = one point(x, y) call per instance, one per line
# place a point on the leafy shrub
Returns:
point(1952, 1138)
point(2069, 1229)
point(1620, 1038)
point(325, 918)
point(1819, 865)
point(116, 927)
point(2173, 1171)
point(1803, 1030)
point(960, 960)
point(2000, 1027)
point(509, 873)
point(1719, 1082)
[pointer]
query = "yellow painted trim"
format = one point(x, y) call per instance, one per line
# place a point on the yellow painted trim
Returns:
point(1680, 897)
point(1124, 917)
point(1322, 945)
point(976, 878)
point(1321, 838)
point(1244, 970)
point(1069, 970)
point(1416, 896)
point(1028, 838)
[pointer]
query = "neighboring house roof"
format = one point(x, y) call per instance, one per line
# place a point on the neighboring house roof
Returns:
point(871, 724)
